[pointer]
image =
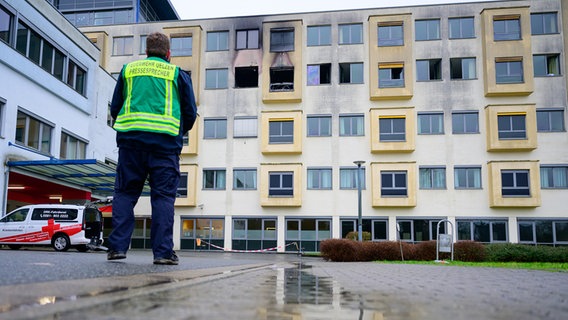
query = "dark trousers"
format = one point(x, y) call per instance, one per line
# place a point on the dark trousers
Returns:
point(163, 172)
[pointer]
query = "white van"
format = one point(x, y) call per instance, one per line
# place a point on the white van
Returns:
point(59, 225)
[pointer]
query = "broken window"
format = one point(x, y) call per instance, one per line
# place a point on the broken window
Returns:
point(319, 74)
point(282, 79)
point(246, 77)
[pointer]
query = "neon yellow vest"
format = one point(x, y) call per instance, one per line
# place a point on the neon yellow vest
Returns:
point(151, 98)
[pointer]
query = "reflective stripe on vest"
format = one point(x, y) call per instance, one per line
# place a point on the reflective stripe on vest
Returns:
point(140, 117)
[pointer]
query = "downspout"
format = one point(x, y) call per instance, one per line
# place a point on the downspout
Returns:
point(5, 191)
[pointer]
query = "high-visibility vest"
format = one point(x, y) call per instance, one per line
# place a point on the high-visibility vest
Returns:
point(151, 100)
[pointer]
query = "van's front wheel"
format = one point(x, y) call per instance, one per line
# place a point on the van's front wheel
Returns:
point(60, 242)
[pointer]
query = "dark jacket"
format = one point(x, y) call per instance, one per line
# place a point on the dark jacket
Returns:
point(156, 142)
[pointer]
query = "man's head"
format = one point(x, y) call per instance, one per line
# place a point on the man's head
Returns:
point(158, 45)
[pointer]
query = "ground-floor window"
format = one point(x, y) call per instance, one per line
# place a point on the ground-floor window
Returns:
point(307, 233)
point(141, 235)
point(548, 232)
point(254, 233)
point(378, 228)
point(416, 230)
point(210, 233)
point(487, 231)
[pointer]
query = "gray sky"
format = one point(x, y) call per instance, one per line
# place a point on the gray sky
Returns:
point(193, 9)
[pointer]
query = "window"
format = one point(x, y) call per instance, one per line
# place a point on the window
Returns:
point(515, 183)
point(461, 28)
point(5, 25)
point(247, 39)
point(392, 129)
point(351, 125)
point(218, 41)
point(319, 126)
point(182, 185)
point(214, 179)
point(281, 132)
point(486, 231)
point(122, 46)
point(281, 184)
point(550, 120)
point(76, 77)
point(181, 46)
point(72, 147)
point(431, 123)
point(246, 77)
point(281, 40)
point(546, 65)
point(390, 34)
point(376, 227)
point(216, 78)
point(351, 33)
point(254, 233)
point(319, 74)
point(306, 233)
point(462, 68)
point(544, 23)
point(319, 35)
point(393, 183)
point(391, 76)
point(428, 70)
point(214, 128)
point(281, 79)
point(245, 127)
point(416, 230)
point(506, 29)
point(509, 71)
point(427, 29)
point(465, 122)
point(551, 232)
point(467, 177)
point(554, 177)
point(432, 178)
point(244, 179)
point(33, 133)
point(351, 72)
point(142, 49)
point(512, 126)
point(348, 178)
point(319, 178)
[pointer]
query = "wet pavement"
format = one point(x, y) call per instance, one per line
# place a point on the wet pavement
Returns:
point(284, 286)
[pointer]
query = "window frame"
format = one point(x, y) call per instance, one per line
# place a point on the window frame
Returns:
point(461, 33)
point(178, 41)
point(279, 41)
point(549, 179)
point(351, 37)
point(432, 118)
point(220, 78)
point(218, 125)
point(387, 127)
point(547, 65)
point(317, 31)
point(80, 149)
point(510, 32)
point(355, 121)
point(123, 46)
point(490, 222)
point(248, 39)
point(390, 41)
point(543, 23)
point(41, 131)
point(216, 42)
point(463, 116)
point(509, 76)
point(430, 72)
point(470, 173)
point(394, 190)
point(355, 69)
point(219, 179)
point(248, 175)
point(430, 173)
point(348, 178)
point(320, 118)
point(282, 190)
point(463, 67)
point(512, 132)
point(285, 135)
point(429, 26)
point(516, 190)
point(318, 72)
point(321, 175)
point(390, 81)
point(550, 126)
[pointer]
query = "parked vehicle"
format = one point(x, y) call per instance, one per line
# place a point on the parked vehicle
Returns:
point(59, 225)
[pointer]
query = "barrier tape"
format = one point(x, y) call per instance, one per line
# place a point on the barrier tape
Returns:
point(199, 241)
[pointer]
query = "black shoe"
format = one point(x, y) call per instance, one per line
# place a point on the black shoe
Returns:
point(172, 260)
point(116, 255)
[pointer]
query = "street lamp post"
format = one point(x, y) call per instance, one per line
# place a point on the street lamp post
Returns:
point(359, 180)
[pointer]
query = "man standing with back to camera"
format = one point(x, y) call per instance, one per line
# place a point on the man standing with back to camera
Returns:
point(154, 107)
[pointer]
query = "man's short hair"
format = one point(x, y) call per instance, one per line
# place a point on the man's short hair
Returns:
point(157, 44)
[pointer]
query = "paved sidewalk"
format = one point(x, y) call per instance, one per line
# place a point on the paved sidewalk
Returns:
point(275, 286)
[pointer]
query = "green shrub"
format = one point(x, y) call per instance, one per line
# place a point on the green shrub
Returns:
point(510, 252)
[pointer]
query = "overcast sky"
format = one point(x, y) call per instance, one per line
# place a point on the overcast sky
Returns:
point(193, 9)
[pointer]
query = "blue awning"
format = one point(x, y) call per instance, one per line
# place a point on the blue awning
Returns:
point(91, 174)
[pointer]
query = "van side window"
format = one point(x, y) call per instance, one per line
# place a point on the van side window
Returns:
point(54, 213)
point(16, 216)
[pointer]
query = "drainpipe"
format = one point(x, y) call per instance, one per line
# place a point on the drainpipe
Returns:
point(5, 191)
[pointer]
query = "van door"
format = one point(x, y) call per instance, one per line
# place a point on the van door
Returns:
point(93, 225)
point(13, 225)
